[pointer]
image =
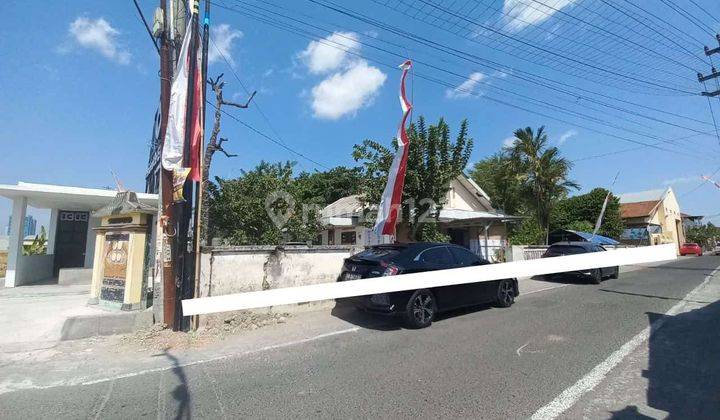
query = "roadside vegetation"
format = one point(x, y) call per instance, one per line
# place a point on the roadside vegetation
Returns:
point(528, 178)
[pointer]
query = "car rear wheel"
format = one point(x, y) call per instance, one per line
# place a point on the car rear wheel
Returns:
point(597, 276)
point(615, 273)
point(421, 309)
point(505, 294)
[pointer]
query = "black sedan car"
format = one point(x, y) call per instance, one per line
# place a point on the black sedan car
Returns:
point(572, 248)
point(420, 307)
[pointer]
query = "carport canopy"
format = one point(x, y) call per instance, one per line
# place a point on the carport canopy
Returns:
point(26, 269)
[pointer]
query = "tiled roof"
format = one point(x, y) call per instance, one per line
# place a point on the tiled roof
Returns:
point(639, 209)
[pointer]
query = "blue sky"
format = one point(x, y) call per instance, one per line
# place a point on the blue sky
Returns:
point(79, 86)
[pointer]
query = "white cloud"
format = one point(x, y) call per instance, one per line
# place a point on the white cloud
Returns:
point(566, 136)
point(330, 54)
point(466, 88)
point(222, 37)
point(520, 14)
point(509, 142)
point(99, 35)
point(343, 93)
point(682, 180)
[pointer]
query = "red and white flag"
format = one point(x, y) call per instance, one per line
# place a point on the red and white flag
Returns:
point(392, 196)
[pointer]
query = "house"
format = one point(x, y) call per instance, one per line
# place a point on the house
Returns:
point(651, 218)
point(467, 217)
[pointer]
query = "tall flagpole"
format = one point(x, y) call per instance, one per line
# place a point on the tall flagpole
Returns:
point(598, 223)
point(185, 262)
point(199, 185)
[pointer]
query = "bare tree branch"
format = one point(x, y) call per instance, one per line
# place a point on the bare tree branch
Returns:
point(235, 104)
point(215, 144)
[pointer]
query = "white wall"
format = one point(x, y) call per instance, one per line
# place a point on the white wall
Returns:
point(93, 222)
point(245, 269)
point(33, 268)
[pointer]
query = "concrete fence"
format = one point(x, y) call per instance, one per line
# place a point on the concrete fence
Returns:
point(237, 269)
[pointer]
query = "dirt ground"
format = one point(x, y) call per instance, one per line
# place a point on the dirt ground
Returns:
point(213, 328)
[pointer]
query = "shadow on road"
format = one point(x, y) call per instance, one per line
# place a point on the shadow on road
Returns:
point(564, 278)
point(652, 296)
point(683, 368)
point(347, 312)
point(180, 393)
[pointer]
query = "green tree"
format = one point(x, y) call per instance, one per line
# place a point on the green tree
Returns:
point(542, 172)
point(433, 162)
point(528, 232)
point(331, 185)
point(497, 178)
point(238, 207)
point(38, 245)
point(704, 235)
point(580, 212)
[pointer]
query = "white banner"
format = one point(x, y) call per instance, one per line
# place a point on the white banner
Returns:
point(428, 279)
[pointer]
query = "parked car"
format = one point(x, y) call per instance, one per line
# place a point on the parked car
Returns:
point(420, 307)
point(572, 248)
point(717, 248)
point(691, 248)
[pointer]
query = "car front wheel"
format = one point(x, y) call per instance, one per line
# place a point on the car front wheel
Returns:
point(505, 294)
point(421, 309)
point(597, 276)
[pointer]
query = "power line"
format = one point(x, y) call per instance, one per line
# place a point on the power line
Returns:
point(527, 54)
point(496, 66)
point(142, 18)
point(247, 91)
point(267, 137)
point(622, 38)
point(303, 33)
point(689, 17)
point(705, 11)
point(559, 55)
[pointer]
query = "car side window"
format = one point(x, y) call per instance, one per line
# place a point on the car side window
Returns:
point(464, 257)
point(437, 256)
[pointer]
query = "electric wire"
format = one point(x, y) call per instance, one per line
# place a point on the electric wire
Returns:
point(311, 36)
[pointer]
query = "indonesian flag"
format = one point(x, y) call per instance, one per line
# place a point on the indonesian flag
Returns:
point(392, 196)
point(196, 131)
point(707, 178)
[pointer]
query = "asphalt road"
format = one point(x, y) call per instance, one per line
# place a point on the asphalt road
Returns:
point(480, 363)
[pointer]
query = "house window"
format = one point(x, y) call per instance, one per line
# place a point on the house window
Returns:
point(347, 238)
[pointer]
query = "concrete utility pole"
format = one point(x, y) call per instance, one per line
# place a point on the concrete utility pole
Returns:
point(167, 221)
point(714, 74)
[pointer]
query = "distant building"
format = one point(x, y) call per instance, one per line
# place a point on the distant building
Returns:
point(467, 217)
point(651, 218)
point(29, 229)
point(691, 221)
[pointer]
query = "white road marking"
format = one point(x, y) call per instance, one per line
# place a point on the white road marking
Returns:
point(521, 347)
point(543, 289)
point(571, 395)
point(81, 381)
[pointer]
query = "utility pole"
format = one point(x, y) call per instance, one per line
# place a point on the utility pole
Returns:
point(714, 74)
point(198, 185)
point(166, 220)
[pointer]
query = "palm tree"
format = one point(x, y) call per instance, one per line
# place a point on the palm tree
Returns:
point(541, 170)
